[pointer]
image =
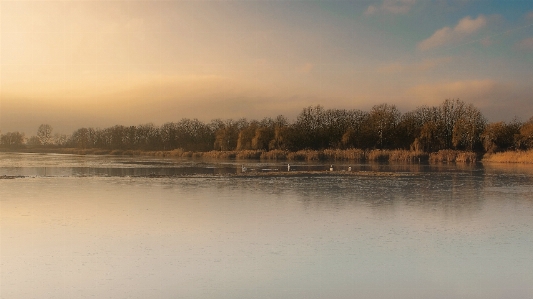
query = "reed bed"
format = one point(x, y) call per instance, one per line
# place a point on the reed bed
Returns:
point(408, 156)
point(219, 154)
point(356, 155)
point(445, 156)
point(344, 155)
point(249, 154)
point(524, 157)
point(378, 156)
point(274, 155)
point(306, 155)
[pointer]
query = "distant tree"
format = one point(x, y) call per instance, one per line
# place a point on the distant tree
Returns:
point(246, 136)
point(169, 132)
point(467, 130)
point(524, 140)
point(264, 134)
point(282, 132)
point(227, 135)
point(500, 136)
point(309, 128)
point(430, 138)
point(34, 141)
point(450, 112)
point(337, 122)
point(12, 139)
point(60, 139)
point(44, 133)
point(382, 122)
point(354, 135)
point(81, 138)
point(148, 137)
point(407, 131)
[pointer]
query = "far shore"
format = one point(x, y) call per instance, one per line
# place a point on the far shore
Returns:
point(327, 155)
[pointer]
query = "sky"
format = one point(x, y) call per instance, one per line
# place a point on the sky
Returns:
point(74, 64)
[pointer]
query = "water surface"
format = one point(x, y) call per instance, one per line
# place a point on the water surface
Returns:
point(102, 227)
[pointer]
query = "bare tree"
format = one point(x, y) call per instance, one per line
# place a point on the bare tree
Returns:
point(12, 139)
point(44, 133)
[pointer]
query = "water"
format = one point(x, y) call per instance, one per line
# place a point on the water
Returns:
point(106, 227)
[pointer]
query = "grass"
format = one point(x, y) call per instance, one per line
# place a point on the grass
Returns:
point(523, 157)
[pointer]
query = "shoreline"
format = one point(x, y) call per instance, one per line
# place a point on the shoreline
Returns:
point(256, 174)
point(327, 155)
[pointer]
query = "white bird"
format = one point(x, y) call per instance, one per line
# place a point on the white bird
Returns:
point(288, 167)
point(243, 169)
point(349, 168)
point(331, 168)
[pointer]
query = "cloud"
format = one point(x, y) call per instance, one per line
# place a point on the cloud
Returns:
point(466, 26)
point(464, 89)
point(306, 68)
point(391, 6)
point(525, 44)
point(423, 66)
point(497, 100)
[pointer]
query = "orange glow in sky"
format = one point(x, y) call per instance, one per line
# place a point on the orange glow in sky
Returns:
point(100, 63)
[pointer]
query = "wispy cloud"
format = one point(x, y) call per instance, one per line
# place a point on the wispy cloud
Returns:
point(306, 68)
point(444, 36)
point(525, 44)
point(423, 66)
point(497, 100)
point(391, 6)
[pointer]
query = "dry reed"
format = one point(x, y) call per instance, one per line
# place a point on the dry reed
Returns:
point(344, 155)
point(274, 155)
point(510, 157)
point(249, 154)
point(445, 156)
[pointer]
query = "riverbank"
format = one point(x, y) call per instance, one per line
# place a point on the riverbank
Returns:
point(521, 157)
point(352, 155)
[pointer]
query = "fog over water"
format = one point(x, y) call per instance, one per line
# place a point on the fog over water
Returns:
point(121, 227)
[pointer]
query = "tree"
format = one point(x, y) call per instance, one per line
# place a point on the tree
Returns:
point(451, 111)
point(12, 139)
point(354, 135)
point(308, 128)
point(430, 138)
point(44, 133)
point(246, 136)
point(169, 132)
point(280, 140)
point(227, 135)
point(382, 122)
point(34, 141)
point(468, 129)
point(524, 140)
point(500, 136)
point(81, 138)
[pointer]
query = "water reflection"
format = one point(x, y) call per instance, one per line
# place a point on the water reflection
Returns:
point(105, 227)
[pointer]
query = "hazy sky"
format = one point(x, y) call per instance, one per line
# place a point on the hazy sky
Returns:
point(75, 64)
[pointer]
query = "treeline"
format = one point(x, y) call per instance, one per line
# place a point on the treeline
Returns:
point(453, 125)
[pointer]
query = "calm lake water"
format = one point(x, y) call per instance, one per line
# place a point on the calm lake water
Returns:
point(120, 227)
